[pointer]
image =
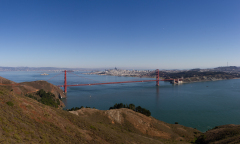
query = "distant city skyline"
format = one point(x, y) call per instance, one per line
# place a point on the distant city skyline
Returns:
point(94, 69)
point(124, 34)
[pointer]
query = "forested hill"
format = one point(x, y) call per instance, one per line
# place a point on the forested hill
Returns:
point(195, 75)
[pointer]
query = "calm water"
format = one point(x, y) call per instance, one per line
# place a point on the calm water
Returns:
point(201, 105)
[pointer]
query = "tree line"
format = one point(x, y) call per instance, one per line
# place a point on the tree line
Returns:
point(132, 107)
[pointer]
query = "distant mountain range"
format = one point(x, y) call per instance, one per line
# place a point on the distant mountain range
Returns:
point(45, 69)
point(228, 69)
point(231, 69)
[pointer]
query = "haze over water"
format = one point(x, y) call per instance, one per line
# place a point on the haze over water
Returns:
point(201, 105)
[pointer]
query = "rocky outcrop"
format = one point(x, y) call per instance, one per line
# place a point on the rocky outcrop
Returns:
point(134, 121)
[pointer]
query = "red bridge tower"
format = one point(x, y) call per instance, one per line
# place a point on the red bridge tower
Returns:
point(65, 80)
point(157, 77)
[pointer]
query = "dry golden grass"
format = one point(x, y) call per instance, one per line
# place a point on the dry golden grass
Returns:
point(226, 134)
point(28, 121)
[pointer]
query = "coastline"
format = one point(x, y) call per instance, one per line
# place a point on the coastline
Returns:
point(184, 82)
point(205, 81)
point(236, 78)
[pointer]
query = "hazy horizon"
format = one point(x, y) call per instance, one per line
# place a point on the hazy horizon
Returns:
point(127, 68)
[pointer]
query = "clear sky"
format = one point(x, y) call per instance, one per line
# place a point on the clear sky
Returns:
point(164, 34)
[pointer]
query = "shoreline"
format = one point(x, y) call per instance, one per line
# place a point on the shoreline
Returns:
point(184, 82)
point(205, 81)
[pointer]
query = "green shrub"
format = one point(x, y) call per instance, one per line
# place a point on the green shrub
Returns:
point(92, 127)
point(77, 108)
point(45, 98)
point(9, 103)
point(48, 98)
point(132, 107)
point(31, 96)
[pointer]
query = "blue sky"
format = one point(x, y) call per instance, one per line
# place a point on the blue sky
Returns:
point(164, 34)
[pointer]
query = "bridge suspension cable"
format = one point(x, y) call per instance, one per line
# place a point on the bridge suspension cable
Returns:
point(86, 78)
point(54, 76)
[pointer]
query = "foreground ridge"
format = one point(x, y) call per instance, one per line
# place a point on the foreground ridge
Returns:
point(25, 120)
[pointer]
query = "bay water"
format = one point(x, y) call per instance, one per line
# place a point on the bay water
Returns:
point(201, 105)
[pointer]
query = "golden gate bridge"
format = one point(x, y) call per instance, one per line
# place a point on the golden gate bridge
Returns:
point(65, 85)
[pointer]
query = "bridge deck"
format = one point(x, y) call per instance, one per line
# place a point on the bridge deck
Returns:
point(115, 82)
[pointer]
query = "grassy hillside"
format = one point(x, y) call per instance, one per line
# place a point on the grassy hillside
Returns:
point(25, 120)
point(226, 134)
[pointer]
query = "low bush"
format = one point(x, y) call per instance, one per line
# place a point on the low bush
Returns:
point(46, 98)
point(9, 103)
point(132, 107)
point(31, 96)
point(77, 108)
point(92, 127)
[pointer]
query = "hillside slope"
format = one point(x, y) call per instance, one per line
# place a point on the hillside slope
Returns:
point(32, 87)
point(25, 120)
point(37, 85)
point(125, 121)
point(5, 81)
point(226, 134)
